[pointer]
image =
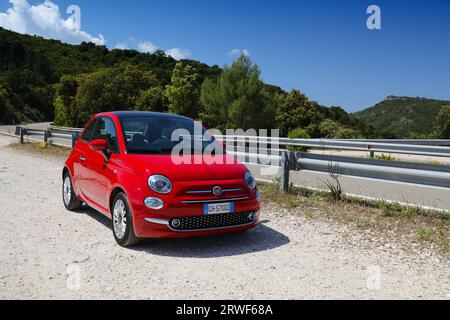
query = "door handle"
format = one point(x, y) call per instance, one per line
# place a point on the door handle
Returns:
point(82, 158)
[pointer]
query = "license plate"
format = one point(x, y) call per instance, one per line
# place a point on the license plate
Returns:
point(218, 208)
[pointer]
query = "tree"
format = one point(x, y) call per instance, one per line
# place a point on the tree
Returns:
point(330, 129)
point(238, 98)
point(296, 111)
point(65, 109)
point(111, 89)
point(183, 92)
point(153, 99)
point(442, 124)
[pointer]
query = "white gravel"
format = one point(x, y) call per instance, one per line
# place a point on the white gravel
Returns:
point(49, 253)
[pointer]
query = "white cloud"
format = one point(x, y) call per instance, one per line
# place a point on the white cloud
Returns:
point(122, 46)
point(178, 53)
point(238, 52)
point(147, 46)
point(45, 20)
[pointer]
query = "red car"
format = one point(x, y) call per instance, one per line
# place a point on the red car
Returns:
point(122, 166)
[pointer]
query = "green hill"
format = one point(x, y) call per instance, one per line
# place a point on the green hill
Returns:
point(47, 80)
point(30, 66)
point(403, 117)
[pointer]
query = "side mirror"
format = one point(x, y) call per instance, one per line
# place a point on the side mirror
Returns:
point(99, 145)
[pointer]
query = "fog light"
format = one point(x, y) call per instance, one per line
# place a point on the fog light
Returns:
point(175, 223)
point(154, 203)
point(252, 216)
point(258, 196)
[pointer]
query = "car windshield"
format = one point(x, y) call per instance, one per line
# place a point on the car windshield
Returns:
point(161, 134)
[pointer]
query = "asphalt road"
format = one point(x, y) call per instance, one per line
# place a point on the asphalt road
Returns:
point(415, 195)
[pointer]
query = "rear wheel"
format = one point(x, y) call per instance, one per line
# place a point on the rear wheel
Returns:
point(122, 222)
point(71, 201)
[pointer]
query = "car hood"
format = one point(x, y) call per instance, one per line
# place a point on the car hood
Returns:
point(225, 168)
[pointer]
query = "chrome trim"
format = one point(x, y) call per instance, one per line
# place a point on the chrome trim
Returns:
point(198, 191)
point(157, 221)
point(232, 190)
point(216, 200)
point(212, 229)
point(210, 191)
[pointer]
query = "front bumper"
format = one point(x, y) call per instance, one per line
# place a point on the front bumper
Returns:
point(193, 223)
point(208, 223)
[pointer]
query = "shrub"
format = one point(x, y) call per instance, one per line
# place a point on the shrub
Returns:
point(298, 133)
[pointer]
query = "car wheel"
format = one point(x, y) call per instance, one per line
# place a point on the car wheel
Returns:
point(122, 222)
point(70, 200)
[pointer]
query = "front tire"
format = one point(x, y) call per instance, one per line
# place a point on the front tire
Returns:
point(70, 200)
point(122, 222)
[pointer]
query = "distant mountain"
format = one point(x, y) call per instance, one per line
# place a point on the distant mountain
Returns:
point(403, 117)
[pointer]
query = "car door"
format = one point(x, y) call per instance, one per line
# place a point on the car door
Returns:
point(98, 170)
point(80, 155)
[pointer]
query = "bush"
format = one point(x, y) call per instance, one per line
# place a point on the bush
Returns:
point(298, 133)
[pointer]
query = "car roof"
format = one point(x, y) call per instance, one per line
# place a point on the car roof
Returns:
point(126, 114)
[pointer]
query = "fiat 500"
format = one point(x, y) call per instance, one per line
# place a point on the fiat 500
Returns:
point(123, 166)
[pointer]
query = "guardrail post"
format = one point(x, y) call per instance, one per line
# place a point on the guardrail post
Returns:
point(284, 174)
point(46, 136)
point(21, 134)
point(75, 137)
point(288, 163)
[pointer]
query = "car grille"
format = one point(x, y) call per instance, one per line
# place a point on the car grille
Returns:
point(212, 221)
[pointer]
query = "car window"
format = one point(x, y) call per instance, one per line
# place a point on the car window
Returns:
point(88, 133)
point(153, 134)
point(107, 130)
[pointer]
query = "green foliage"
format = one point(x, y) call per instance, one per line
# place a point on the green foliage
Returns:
point(183, 92)
point(295, 111)
point(442, 124)
point(153, 99)
point(334, 185)
point(31, 66)
point(386, 157)
point(298, 133)
point(403, 117)
point(331, 129)
point(238, 98)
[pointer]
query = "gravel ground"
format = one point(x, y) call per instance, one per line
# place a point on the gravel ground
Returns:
point(49, 253)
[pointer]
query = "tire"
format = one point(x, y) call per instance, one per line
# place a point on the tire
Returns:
point(122, 222)
point(70, 199)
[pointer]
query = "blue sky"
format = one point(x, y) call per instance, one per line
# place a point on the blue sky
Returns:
point(321, 47)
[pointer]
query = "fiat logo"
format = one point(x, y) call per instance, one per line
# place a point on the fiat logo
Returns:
point(217, 191)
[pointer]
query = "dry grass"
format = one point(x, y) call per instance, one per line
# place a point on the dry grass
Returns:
point(39, 149)
point(392, 220)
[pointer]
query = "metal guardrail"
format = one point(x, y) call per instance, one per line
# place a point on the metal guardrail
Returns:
point(249, 149)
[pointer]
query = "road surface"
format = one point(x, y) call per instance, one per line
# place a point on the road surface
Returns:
point(50, 253)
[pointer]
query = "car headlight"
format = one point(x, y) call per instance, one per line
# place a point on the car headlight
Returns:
point(250, 180)
point(160, 184)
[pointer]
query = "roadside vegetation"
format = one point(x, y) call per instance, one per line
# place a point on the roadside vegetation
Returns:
point(41, 149)
point(413, 225)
